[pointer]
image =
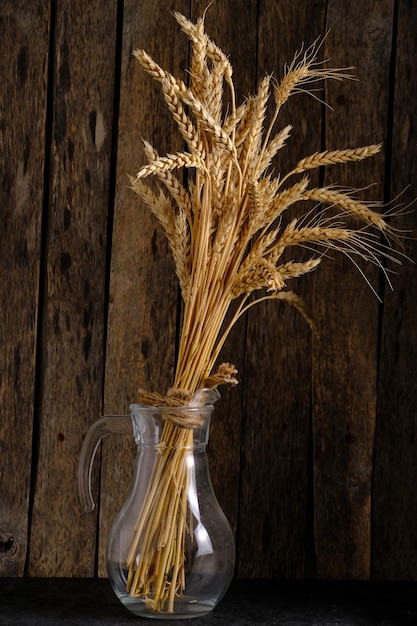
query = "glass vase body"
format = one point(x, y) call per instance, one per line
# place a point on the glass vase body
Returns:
point(171, 550)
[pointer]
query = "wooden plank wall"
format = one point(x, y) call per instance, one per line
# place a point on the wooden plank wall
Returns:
point(314, 455)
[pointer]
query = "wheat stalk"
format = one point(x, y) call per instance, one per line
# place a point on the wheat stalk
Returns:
point(331, 157)
point(170, 162)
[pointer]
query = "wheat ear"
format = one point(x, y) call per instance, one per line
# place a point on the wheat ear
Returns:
point(332, 157)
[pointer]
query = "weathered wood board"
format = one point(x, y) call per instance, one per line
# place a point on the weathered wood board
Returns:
point(314, 454)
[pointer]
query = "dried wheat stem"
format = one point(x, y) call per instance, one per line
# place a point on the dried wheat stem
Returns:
point(199, 71)
point(331, 157)
point(305, 69)
point(270, 149)
point(295, 270)
point(212, 50)
point(360, 210)
point(255, 124)
point(177, 191)
point(170, 162)
point(187, 96)
point(295, 236)
point(184, 123)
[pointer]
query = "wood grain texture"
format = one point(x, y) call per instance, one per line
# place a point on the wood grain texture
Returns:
point(275, 444)
point(345, 357)
point(314, 455)
point(62, 538)
point(395, 461)
point(24, 35)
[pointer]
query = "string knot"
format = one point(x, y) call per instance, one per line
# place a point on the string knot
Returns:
point(180, 398)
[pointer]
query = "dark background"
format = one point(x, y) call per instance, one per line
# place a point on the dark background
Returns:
point(314, 454)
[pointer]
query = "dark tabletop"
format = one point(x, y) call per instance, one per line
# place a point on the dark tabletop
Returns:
point(52, 602)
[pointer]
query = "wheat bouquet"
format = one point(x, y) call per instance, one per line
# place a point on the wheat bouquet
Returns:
point(228, 230)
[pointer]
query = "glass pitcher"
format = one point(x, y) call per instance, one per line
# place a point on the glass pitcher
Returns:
point(171, 550)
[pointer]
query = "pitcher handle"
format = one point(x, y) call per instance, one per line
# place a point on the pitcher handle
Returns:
point(100, 428)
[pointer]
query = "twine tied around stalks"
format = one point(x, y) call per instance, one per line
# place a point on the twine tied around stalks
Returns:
point(179, 398)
